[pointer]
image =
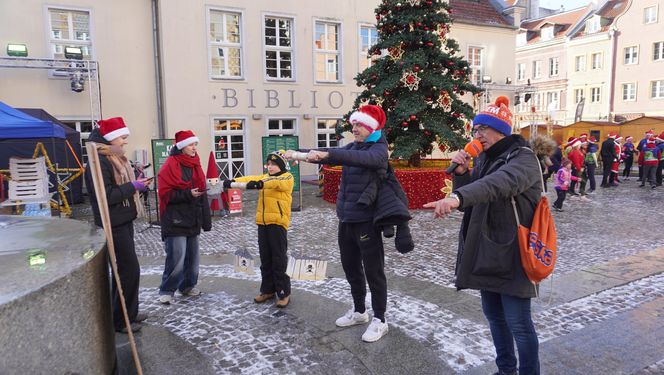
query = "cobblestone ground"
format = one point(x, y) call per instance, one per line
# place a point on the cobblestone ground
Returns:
point(240, 336)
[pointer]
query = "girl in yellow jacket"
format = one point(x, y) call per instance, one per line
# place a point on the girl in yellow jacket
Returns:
point(272, 216)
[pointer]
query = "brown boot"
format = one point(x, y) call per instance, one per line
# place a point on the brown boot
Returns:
point(283, 302)
point(263, 297)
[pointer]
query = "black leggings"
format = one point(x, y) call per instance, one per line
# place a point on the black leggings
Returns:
point(561, 198)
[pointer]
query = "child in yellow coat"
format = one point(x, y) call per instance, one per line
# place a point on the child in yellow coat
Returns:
point(272, 216)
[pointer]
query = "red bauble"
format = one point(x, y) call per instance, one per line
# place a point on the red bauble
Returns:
point(386, 93)
point(442, 147)
point(418, 24)
point(413, 117)
point(428, 99)
point(427, 133)
point(429, 44)
point(462, 93)
point(404, 124)
point(378, 16)
point(450, 63)
point(416, 68)
point(410, 79)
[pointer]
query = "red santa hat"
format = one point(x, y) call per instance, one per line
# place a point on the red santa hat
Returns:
point(660, 137)
point(629, 138)
point(571, 141)
point(592, 139)
point(372, 117)
point(582, 136)
point(612, 135)
point(112, 128)
point(184, 138)
point(619, 138)
point(650, 133)
point(576, 143)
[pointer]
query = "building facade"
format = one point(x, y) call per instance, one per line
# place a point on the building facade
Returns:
point(639, 63)
point(230, 70)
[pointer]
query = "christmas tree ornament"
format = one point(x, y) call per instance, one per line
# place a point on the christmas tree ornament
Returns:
point(411, 80)
point(413, 2)
point(396, 52)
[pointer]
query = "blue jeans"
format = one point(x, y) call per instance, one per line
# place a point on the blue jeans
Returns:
point(181, 269)
point(509, 320)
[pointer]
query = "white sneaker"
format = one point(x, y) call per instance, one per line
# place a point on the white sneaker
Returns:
point(375, 331)
point(352, 318)
point(165, 299)
point(192, 292)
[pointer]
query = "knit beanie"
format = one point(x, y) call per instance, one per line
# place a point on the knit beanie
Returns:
point(496, 116)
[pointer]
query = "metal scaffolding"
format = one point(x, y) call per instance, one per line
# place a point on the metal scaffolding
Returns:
point(80, 70)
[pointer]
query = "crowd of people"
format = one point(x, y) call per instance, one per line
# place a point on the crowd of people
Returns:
point(574, 163)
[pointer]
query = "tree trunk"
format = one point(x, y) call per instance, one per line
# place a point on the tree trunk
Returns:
point(414, 160)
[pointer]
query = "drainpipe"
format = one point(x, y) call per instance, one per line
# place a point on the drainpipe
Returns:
point(613, 34)
point(156, 46)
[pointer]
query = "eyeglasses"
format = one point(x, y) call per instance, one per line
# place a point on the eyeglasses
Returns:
point(479, 129)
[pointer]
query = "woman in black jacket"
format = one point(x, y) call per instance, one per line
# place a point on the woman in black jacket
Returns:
point(184, 210)
point(123, 200)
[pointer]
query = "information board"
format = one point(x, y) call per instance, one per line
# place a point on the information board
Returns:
point(161, 148)
point(285, 142)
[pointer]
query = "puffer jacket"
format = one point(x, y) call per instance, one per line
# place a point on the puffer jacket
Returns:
point(386, 198)
point(488, 256)
point(120, 198)
point(359, 161)
point(275, 199)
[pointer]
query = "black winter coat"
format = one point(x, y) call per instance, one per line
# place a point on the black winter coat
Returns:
point(359, 160)
point(386, 198)
point(488, 257)
point(608, 151)
point(185, 215)
point(121, 205)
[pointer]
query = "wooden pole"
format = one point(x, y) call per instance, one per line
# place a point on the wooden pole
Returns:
point(100, 192)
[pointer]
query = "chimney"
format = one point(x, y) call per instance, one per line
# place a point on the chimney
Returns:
point(533, 9)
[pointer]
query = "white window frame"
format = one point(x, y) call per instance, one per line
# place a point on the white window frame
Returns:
point(365, 55)
point(537, 69)
point(596, 98)
point(547, 33)
point(339, 52)
point(631, 91)
point(521, 71)
point(245, 141)
point(580, 63)
point(553, 96)
point(474, 67)
point(554, 66)
point(592, 25)
point(225, 44)
point(633, 57)
point(60, 73)
point(281, 131)
point(279, 49)
point(329, 133)
point(521, 39)
point(659, 84)
point(648, 20)
point(577, 97)
point(600, 61)
point(658, 53)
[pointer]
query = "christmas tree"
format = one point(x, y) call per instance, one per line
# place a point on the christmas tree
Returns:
point(418, 79)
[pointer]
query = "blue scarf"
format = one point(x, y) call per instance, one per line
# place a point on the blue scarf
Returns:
point(374, 137)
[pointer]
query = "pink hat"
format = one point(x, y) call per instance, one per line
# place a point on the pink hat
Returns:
point(372, 117)
point(184, 138)
point(112, 128)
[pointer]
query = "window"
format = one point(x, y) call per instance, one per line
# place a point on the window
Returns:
point(552, 101)
point(69, 28)
point(278, 48)
point(229, 148)
point(521, 72)
point(658, 51)
point(553, 66)
point(595, 95)
point(629, 91)
point(547, 33)
point(631, 55)
point(596, 61)
point(225, 44)
point(368, 37)
point(279, 127)
point(578, 95)
point(657, 89)
point(537, 101)
point(537, 68)
point(580, 63)
point(592, 25)
point(328, 52)
point(475, 60)
point(325, 132)
point(650, 14)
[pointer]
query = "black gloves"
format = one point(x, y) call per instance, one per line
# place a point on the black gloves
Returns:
point(404, 241)
point(255, 184)
point(227, 183)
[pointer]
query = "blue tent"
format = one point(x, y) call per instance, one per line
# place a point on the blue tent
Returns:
point(16, 124)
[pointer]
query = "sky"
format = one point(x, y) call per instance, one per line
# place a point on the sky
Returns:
point(568, 4)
